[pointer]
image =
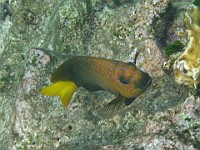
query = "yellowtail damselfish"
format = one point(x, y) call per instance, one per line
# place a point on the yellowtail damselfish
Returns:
point(124, 80)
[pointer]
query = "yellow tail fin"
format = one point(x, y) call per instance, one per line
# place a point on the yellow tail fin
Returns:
point(64, 89)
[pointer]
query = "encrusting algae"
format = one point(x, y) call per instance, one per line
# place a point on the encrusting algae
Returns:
point(124, 80)
point(187, 67)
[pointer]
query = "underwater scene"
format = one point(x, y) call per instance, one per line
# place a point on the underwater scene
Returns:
point(99, 74)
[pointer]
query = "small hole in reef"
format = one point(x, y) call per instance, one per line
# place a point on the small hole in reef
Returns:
point(65, 116)
point(70, 127)
point(187, 119)
point(184, 71)
point(74, 107)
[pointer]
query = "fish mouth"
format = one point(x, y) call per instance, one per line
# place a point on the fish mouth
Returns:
point(148, 83)
point(145, 82)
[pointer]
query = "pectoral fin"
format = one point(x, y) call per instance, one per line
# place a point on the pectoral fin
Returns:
point(114, 106)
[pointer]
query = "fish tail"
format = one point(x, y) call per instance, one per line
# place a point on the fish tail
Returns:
point(64, 89)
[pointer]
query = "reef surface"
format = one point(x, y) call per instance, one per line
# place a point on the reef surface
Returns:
point(37, 36)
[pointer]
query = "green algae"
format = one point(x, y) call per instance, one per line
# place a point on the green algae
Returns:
point(175, 47)
point(196, 3)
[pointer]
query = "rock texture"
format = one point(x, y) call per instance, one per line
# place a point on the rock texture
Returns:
point(36, 36)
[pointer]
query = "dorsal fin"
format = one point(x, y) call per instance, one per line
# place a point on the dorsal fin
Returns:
point(63, 72)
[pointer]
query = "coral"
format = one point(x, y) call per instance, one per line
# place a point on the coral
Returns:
point(187, 66)
point(38, 56)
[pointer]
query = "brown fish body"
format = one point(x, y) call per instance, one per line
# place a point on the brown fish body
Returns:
point(119, 78)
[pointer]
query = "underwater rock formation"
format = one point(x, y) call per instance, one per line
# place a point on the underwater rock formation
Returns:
point(53, 31)
point(187, 67)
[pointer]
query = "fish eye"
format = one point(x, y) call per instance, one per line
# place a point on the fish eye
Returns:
point(123, 80)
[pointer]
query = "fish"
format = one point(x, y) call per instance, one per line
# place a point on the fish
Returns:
point(122, 79)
